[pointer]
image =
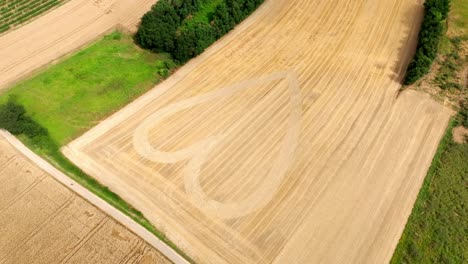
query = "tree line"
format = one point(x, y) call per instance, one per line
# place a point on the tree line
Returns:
point(164, 27)
point(435, 13)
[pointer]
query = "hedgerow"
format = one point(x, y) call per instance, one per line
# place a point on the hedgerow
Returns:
point(435, 13)
point(167, 28)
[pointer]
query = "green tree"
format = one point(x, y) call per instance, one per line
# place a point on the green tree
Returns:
point(222, 20)
point(13, 118)
point(163, 28)
point(193, 41)
point(158, 28)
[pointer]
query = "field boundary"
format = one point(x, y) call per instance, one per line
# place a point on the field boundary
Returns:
point(140, 102)
point(102, 205)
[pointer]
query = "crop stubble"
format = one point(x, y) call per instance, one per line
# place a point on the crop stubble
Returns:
point(285, 142)
point(42, 221)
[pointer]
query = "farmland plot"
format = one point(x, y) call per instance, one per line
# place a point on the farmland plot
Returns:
point(42, 221)
point(285, 142)
point(63, 30)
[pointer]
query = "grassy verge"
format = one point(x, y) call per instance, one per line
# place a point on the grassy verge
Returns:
point(436, 229)
point(72, 96)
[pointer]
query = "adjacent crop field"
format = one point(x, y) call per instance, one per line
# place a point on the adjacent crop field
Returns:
point(63, 30)
point(15, 12)
point(285, 142)
point(42, 221)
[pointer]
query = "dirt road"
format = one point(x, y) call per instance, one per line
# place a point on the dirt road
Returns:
point(41, 221)
point(285, 142)
point(61, 31)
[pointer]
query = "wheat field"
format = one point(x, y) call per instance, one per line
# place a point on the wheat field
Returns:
point(41, 221)
point(285, 142)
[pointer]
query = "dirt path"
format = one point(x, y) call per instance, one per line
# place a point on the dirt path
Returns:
point(284, 142)
point(63, 30)
point(93, 199)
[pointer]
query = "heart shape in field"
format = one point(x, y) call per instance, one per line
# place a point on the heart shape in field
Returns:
point(196, 154)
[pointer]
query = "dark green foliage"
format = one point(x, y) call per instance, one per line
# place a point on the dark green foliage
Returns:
point(187, 40)
point(435, 12)
point(440, 6)
point(186, 7)
point(158, 28)
point(235, 10)
point(13, 118)
point(231, 12)
point(222, 20)
point(193, 41)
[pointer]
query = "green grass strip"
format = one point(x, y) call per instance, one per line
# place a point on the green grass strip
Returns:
point(436, 231)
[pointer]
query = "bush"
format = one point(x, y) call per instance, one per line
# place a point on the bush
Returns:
point(435, 12)
point(13, 118)
point(193, 41)
point(186, 7)
point(158, 28)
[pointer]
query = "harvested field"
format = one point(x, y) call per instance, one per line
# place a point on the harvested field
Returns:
point(41, 221)
point(285, 142)
point(15, 12)
point(61, 31)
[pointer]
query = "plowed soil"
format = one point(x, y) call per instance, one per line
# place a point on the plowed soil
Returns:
point(41, 221)
point(285, 142)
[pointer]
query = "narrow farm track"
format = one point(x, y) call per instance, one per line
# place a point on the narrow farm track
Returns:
point(41, 221)
point(62, 31)
point(285, 142)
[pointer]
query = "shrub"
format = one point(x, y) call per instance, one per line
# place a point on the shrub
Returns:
point(193, 41)
point(464, 114)
point(158, 28)
point(163, 29)
point(13, 118)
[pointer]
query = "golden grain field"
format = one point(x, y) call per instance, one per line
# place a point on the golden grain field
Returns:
point(41, 221)
point(285, 142)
